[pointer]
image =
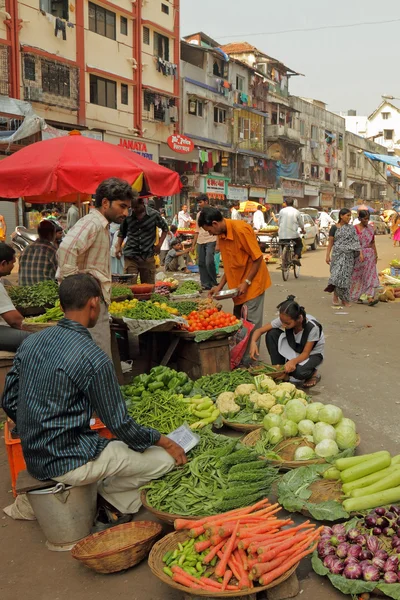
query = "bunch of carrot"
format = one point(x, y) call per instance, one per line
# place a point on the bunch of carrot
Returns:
point(251, 544)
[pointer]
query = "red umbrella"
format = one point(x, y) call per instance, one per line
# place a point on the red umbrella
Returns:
point(66, 167)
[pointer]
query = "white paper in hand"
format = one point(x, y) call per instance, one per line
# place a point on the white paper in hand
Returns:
point(185, 437)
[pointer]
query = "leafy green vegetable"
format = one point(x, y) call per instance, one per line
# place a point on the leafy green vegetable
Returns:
point(120, 290)
point(41, 294)
point(225, 381)
point(187, 287)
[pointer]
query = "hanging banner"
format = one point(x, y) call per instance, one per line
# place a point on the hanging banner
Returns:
point(275, 197)
point(241, 194)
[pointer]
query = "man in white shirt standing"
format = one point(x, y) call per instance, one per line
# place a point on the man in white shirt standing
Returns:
point(325, 220)
point(184, 218)
point(258, 219)
point(235, 214)
point(290, 221)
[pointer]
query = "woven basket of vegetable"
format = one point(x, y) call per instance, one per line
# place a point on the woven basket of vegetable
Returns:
point(117, 548)
point(241, 426)
point(170, 542)
point(286, 449)
point(163, 516)
point(35, 327)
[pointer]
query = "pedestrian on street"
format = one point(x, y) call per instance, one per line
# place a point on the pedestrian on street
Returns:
point(206, 248)
point(141, 231)
point(3, 229)
point(244, 267)
point(235, 214)
point(38, 261)
point(72, 216)
point(175, 261)
point(11, 320)
point(341, 253)
point(290, 221)
point(258, 219)
point(365, 280)
point(396, 230)
point(184, 218)
point(86, 248)
point(295, 340)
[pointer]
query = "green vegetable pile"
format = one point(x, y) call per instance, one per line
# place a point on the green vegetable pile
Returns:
point(40, 294)
point(159, 378)
point(187, 287)
point(184, 307)
point(215, 481)
point(162, 410)
point(51, 314)
point(208, 441)
point(226, 381)
point(120, 290)
point(147, 311)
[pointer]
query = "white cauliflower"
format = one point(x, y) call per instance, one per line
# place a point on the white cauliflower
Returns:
point(277, 409)
point(268, 384)
point(226, 403)
point(264, 401)
point(244, 389)
point(289, 387)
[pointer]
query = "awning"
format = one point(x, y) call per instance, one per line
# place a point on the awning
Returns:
point(388, 160)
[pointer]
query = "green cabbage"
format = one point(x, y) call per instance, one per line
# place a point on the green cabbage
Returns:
point(306, 427)
point(347, 422)
point(275, 435)
point(304, 453)
point(271, 420)
point(326, 449)
point(346, 437)
point(295, 411)
point(330, 414)
point(313, 410)
point(289, 429)
point(323, 431)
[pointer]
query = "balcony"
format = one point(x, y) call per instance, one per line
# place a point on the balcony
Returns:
point(275, 132)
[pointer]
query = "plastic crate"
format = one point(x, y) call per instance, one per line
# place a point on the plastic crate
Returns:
point(16, 461)
point(395, 272)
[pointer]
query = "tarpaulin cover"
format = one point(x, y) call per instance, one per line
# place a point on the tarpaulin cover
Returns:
point(63, 168)
point(388, 160)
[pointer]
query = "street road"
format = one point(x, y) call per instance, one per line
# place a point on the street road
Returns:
point(360, 374)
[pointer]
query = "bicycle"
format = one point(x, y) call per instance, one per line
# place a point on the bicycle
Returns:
point(324, 236)
point(288, 260)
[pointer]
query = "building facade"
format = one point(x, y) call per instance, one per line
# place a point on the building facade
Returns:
point(366, 179)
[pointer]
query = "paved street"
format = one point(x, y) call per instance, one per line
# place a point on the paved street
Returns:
point(360, 374)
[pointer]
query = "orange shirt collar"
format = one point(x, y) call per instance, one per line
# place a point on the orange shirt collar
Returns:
point(229, 230)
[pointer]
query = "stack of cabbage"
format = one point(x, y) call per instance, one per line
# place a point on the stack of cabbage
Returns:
point(323, 425)
point(250, 403)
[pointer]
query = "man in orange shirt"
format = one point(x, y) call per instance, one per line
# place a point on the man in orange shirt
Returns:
point(244, 267)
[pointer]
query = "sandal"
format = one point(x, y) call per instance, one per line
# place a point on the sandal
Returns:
point(312, 382)
point(373, 302)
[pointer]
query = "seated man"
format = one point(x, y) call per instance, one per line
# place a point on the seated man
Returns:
point(59, 378)
point(174, 261)
point(11, 334)
point(38, 261)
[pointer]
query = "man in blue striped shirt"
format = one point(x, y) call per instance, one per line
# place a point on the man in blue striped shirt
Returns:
point(58, 379)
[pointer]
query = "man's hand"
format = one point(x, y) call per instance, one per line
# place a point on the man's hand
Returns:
point(173, 450)
point(290, 366)
point(214, 290)
point(118, 253)
point(254, 352)
point(242, 288)
point(157, 248)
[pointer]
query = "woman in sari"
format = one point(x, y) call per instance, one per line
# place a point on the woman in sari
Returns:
point(343, 249)
point(365, 280)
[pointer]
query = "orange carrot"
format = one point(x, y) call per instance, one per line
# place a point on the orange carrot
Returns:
point(216, 539)
point(223, 517)
point(244, 581)
point(213, 552)
point(260, 569)
point(266, 555)
point(201, 546)
point(186, 582)
point(243, 557)
point(286, 565)
point(264, 528)
point(221, 566)
point(256, 540)
point(196, 531)
point(227, 578)
point(232, 566)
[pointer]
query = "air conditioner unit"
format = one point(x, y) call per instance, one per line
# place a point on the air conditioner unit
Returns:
point(33, 93)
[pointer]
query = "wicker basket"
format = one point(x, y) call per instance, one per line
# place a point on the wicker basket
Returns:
point(35, 327)
point(241, 426)
point(288, 447)
point(163, 516)
point(117, 548)
point(170, 542)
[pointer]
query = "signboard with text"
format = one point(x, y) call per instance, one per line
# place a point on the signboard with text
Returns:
point(241, 194)
point(257, 192)
point(292, 189)
point(215, 186)
point(136, 146)
point(180, 143)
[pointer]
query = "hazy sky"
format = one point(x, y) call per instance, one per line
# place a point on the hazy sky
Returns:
point(346, 68)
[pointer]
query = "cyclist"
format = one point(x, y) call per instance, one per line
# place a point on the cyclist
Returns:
point(325, 222)
point(290, 221)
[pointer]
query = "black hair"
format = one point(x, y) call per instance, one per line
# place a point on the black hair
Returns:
point(259, 207)
point(175, 242)
point(45, 212)
point(75, 291)
point(46, 229)
point(363, 213)
point(173, 228)
point(289, 201)
point(113, 189)
point(235, 204)
point(7, 252)
point(202, 198)
point(292, 309)
point(342, 212)
point(208, 215)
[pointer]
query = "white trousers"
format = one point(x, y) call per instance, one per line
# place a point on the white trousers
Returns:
point(101, 332)
point(119, 472)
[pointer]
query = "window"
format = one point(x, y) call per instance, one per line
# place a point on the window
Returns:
point(146, 36)
point(124, 94)
point(29, 68)
point(314, 171)
point(195, 108)
point(327, 174)
point(244, 128)
point(302, 128)
point(388, 134)
point(56, 79)
point(124, 26)
point(165, 8)
point(386, 116)
point(219, 115)
point(103, 92)
point(340, 141)
point(240, 83)
point(57, 8)
point(329, 137)
point(161, 46)
point(339, 175)
point(353, 159)
point(102, 21)
point(314, 133)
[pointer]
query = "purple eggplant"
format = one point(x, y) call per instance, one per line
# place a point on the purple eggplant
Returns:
point(338, 539)
point(391, 564)
point(366, 555)
point(337, 566)
point(372, 544)
point(361, 540)
point(388, 531)
point(327, 531)
point(377, 531)
point(398, 532)
point(350, 560)
point(391, 577)
point(324, 549)
point(353, 534)
point(339, 530)
point(390, 515)
point(382, 522)
point(365, 563)
point(353, 571)
point(342, 550)
point(355, 551)
point(380, 511)
point(382, 554)
point(370, 521)
point(395, 510)
point(378, 562)
point(395, 541)
point(371, 573)
point(328, 561)
point(398, 521)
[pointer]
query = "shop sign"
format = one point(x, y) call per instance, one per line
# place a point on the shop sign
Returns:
point(275, 197)
point(241, 194)
point(180, 143)
point(326, 199)
point(215, 186)
point(257, 192)
point(292, 189)
point(135, 146)
point(310, 190)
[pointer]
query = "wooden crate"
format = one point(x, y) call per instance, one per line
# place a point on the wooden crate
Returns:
point(203, 358)
point(6, 361)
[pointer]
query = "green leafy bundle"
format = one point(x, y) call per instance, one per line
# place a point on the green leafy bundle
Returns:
point(41, 294)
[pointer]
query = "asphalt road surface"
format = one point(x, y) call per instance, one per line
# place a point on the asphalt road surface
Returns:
point(360, 374)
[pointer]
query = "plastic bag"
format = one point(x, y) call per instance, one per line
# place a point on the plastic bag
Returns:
point(238, 342)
